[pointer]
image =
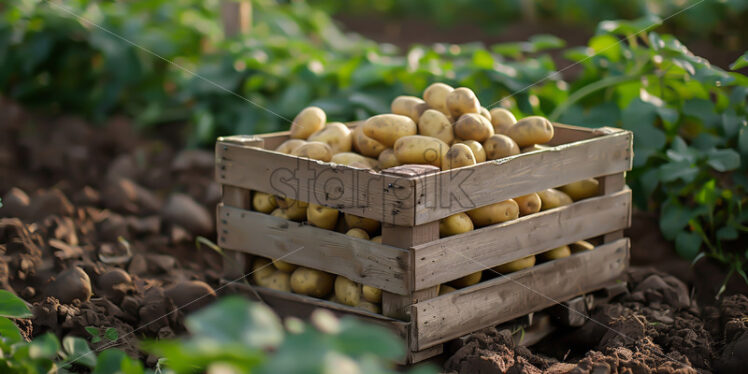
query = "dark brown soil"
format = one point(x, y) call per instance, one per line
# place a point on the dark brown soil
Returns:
point(98, 230)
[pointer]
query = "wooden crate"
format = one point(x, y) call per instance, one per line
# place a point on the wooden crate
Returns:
point(412, 261)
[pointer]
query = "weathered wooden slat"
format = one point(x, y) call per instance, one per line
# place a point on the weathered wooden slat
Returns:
point(449, 258)
point(235, 263)
point(507, 297)
point(385, 198)
point(449, 192)
point(362, 261)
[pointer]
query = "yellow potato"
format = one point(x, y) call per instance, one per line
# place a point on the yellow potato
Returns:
point(435, 96)
point(278, 280)
point(581, 189)
point(289, 145)
point(284, 266)
point(462, 100)
point(369, 307)
point(314, 150)
point(347, 291)
point(531, 130)
point(467, 280)
point(371, 294)
point(581, 246)
point(473, 126)
point(528, 204)
point(293, 209)
point(261, 269)
point(556, 253)
point(435, 124)
point(279, 212)
point(477, 148)
point(371, 226)
point(307, 122)
point(457, 156)
point(552, 198)
point(377, 239)
point(263, 202)
point(502, 211)
point(410, 106)
point(322, 216)
point(445, 289)
point(311, 282)
point(388, 128)
point(516, 265)
point(500, 146)
point(353, 159)
point(335, 134)
point(455, 224)
point(419, 149)
point(502, 119)
point(358, 233)
point(485, 113)
point(364, 144)
point(387, 159)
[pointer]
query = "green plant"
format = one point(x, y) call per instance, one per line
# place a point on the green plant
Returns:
point(110, 334)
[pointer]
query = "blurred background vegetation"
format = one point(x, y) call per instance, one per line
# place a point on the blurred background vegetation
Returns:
point(641, 65)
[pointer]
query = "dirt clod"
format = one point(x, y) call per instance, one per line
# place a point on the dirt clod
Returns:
point(71, 284)
point(182, 210)
point(191, 295)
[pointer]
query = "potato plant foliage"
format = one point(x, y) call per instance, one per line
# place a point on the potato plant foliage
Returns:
point(688, 117)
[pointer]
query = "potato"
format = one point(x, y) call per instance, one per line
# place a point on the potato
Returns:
point(485, 113)
point(419, 149)
point(516, 265)
point(347, 291)
point(278, 280)
point(581, 246)
point(528, 204)
point(435, 96)
point(457, 156)
point(307, 122)
point(371, 226)
point(409, 106)
point(445, 289)
point(473, 126)
point(467, 280)
point(435, 124)
point(289, 145)
point(500, 146)
point(388, 128)
point(377, 239)
point(455, 224)
point(387, 159)
point(284, 266)
point(533, 148)
point(581, 189)
point(502, 119)
point(369, 307)
point(556, 253)
point(531, 130)
point(311, 282)
point(552, 198)
point(314, 150)
point(293, 209)
point(477, 148)
point(354, 160)
point(371, 294)
point(462, 100)
point(279, 212)
point(358, 233)
point(322, 216)
point(335, 134)
point(263, 202)
point(261, 269)
point(502, 211)
point(364, 144)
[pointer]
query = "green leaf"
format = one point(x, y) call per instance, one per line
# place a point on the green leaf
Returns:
point(741, 62)
point(723, 160)
point(673, 218)
point(12, 306)
point(44, 346)
point(110, 362)
point(356, 339)
point(482, 59)
point(727, 233)
point(682, 170)
point(743, 141)
point(626, 27)
point(9, 330)
point(93, 331)
point(544, 41)
point(687, 244)
point(606, 45)
point(111, 334)
point(234, 319)
point(77, 350)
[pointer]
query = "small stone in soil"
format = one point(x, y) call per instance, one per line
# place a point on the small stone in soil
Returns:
point(69, 285)
point(182, 210)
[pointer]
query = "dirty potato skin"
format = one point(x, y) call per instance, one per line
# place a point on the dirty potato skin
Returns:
point(388, 128)
point(478, 151)
point(531, 130)
point(582, 189)
point(435, 96)
point(435, 124)
point(289, 145)
point(457, 156)
point(335, 134)
point(364, 144)
point(263, 202)
point(353, 159)
point(455, 224)
point(467, 280)
point(556, 253)
point(312, 282)
point(347, 291)
point(502, 211)
point(387, 159)
point(409, 106)
point(461, 101)
point(472, 126)
point(528, 204)
point(419, 149)
point(516, 265)
point(499, 146)
point(502, 119)
point(369, 225)
point(322, 216)
point(553, 198)
point(307, 122)
point(314, 150)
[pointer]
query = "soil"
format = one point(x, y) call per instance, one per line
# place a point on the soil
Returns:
point(98, 229)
